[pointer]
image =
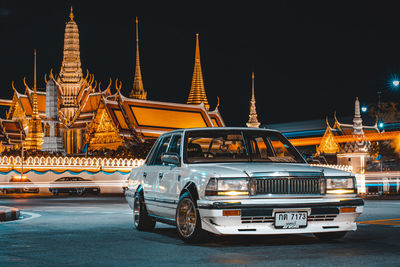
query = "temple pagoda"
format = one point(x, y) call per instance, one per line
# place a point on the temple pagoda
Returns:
point(74, 114)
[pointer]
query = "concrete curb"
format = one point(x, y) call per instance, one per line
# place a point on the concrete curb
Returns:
point(8, 213)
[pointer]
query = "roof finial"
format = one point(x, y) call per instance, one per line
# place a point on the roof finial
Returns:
point(197, 56)
point(34, 70)
point(252, 86)
point(71, 14)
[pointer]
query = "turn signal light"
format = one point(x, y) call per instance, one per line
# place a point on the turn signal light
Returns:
point(233, 193)
point(231, 212)
point(347, 209)
point(340, 191)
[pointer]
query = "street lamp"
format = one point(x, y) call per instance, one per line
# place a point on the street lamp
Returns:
point(364, 109)
point(381, 124)
point(396, 83)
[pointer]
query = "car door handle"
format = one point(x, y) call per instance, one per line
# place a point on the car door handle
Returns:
point(160, 175)
point(144, 174)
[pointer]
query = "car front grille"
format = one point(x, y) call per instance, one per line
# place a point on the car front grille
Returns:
point(321, 218)
point(270, 219)
point(288, 185)
point(258, 219)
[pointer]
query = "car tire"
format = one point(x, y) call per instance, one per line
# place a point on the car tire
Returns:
point(80, 191)
point(330, 236)
point(55, 192)
point(141, 219)
point(188, 221)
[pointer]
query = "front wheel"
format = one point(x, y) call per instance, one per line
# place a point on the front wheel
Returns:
point(142, 221)
point(188, 222)
point(330, 236)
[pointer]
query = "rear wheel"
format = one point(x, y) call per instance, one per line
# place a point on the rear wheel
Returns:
point(330, 236)
point(188, 222)
point(80, 191)
point(142, 221)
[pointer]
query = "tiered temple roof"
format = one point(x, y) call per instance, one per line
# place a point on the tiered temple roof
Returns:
point(90, 116)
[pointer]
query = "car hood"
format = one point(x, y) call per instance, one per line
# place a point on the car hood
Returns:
point(260, 169)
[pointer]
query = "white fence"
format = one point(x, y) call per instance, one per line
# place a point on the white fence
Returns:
point(54, 163)
point(345, 168)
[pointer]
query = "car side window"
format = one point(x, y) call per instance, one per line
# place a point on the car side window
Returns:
point(175, 145)
point(162, 148)
point(149, 157)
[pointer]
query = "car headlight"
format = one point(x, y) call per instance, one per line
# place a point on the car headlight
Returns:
point(340, 185)
point(227, 187)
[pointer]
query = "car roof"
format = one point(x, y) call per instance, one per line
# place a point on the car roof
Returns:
point(218, 129)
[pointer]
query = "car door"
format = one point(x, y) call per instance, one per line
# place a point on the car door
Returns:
point(168, 188)
point(150, 176)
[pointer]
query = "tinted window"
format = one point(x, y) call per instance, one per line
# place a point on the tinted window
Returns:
point(175, 145)
point(239, 146)
point(162, 147)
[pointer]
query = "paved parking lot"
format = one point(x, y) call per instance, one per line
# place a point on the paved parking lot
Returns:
point(98, 231)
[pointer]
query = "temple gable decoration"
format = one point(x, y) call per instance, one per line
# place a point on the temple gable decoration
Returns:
point(328, 143)
point(102, 131)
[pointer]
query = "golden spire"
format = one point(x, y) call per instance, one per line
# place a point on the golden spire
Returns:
point(71, 14)
point(71, 71)
point(253, 121)
point(34, 138)
point(70, 79)
point(197, 93)
point(138, 89)
point(34, 71)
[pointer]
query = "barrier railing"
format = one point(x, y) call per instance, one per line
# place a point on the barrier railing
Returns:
point(38, 163)
point(346, 168)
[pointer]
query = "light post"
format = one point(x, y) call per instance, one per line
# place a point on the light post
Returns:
point(22, 158)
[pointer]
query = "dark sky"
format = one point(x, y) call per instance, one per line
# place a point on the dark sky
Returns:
point(310, 57)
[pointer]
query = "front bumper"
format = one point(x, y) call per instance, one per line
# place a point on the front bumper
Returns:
point(257, 216)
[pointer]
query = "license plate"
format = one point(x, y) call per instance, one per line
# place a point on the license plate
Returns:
point(291, 220)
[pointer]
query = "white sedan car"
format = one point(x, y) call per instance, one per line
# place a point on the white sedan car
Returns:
point(235, 181)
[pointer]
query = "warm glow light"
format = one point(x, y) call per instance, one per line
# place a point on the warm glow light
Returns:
point(340, 191)
point(231, 213)
point(233, 193)
point(18, 177)
point(347, 209)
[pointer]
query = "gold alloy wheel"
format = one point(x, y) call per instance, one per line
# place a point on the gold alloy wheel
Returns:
point(186, 217)
point(136, 212)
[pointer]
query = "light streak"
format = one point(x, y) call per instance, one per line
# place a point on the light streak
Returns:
point(108, 183)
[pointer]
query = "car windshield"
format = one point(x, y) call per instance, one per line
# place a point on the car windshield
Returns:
point(239, 146)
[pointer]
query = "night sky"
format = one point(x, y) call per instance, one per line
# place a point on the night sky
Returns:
point(310, 58)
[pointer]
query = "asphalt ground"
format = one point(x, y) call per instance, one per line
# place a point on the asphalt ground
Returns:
point(98, 231)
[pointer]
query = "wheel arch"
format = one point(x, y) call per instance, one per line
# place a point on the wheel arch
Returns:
point(190, 188)
point(140, 192)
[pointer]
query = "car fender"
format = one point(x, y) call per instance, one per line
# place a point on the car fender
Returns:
point(190, 188)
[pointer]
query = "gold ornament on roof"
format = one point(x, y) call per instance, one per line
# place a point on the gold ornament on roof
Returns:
point(71, 14)
point(328, 143)
point(197, 94)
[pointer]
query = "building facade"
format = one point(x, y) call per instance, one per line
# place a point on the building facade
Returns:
point(73, 114)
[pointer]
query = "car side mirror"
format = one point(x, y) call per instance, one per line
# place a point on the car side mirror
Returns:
point(171, 159)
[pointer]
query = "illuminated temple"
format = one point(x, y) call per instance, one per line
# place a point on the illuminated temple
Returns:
point(74, 114)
